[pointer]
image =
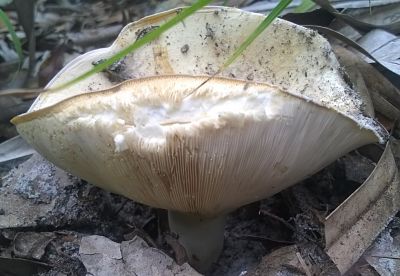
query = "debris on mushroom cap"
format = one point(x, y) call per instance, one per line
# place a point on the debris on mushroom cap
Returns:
point(296, 59)
point(229, 143)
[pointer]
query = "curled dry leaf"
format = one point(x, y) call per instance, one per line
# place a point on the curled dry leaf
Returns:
point(351, 228)
point(357, 24)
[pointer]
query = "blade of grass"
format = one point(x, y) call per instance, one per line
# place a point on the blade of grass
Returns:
point(305, 6)
point(14, 38)
point(150, 36)
point(22, 92)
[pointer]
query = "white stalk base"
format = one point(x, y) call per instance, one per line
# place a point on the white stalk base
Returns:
point(203, 238)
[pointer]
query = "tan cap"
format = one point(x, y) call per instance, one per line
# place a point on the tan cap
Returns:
point(227, 144)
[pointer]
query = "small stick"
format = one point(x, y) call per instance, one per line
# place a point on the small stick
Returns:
point(303, 264)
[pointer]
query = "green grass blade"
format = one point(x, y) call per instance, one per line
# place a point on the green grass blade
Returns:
point(14, 38)
point(260, 28)
point(138, 43)
point(305, 6)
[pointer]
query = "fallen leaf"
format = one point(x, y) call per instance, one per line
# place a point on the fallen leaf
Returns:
point(31, 245)
point(101, 257)
point(351, 228)
point(14, 148)
point(355, 23)
point(100, 245)
point(384, 254)
point(384, 46)
point(267, 5)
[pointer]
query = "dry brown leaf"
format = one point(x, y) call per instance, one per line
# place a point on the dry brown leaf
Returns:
point(351, 228)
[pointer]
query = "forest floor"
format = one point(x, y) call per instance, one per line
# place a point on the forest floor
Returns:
point(344, 219)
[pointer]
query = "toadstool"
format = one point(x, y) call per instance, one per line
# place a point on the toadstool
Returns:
point(270, 120)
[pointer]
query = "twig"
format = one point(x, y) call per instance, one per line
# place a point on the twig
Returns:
point(121, 207)
point(386, 257)
point(303, 264)
point(284, 222)
point(288, 225)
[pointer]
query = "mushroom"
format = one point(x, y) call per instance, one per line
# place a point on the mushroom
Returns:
point(201, 152)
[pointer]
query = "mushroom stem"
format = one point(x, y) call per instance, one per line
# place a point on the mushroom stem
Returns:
point(203, 238)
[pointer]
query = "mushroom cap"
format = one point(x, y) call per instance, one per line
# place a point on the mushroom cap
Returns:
point(281, 112)
point(162, 142)
point(296, 59)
